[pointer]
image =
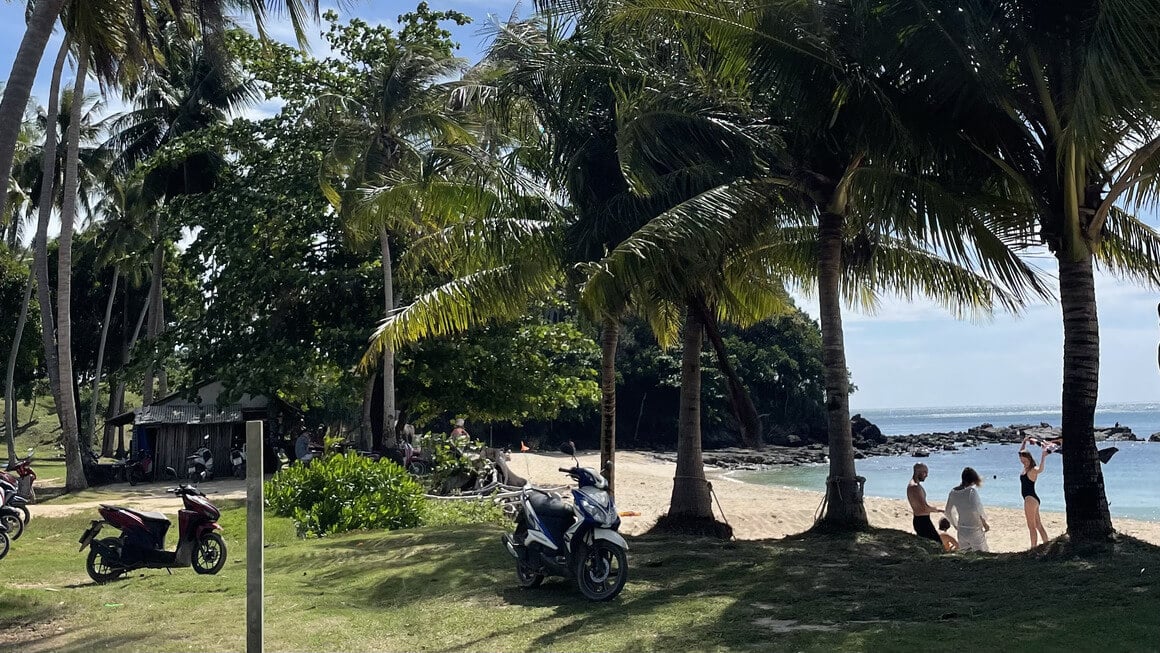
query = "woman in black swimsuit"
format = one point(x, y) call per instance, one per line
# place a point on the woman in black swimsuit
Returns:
point(1030, 499)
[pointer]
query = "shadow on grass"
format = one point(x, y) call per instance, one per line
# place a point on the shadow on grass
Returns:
point(879, 589)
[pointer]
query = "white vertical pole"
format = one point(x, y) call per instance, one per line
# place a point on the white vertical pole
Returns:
point(255, 449)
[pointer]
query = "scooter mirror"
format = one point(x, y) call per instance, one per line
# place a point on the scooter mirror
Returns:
point(568, 448)
point(171, 472)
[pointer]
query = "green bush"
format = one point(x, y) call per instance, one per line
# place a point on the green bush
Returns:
point(338, 493)
point(463, 513)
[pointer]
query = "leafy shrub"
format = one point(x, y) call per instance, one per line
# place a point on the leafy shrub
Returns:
point(463, 513)
point(341, 493)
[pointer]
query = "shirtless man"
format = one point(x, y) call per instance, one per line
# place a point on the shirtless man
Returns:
point(916, 495)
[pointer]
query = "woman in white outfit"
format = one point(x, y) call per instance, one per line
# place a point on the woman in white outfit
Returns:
point(964, 509)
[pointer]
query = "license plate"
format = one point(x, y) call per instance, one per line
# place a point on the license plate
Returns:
point(90, 534)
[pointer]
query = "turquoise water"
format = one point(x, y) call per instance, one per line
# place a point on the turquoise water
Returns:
point(1130, 477)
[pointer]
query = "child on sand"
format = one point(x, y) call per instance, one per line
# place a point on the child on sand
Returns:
point(948, 541)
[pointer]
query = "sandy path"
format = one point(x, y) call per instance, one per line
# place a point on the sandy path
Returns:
point(148, 497)
point(644, 484)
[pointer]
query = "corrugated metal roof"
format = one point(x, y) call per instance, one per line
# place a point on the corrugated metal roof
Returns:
point(188, 414)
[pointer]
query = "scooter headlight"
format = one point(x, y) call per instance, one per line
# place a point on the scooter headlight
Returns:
point(600, 514)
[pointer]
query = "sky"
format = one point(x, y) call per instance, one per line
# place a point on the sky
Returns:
point(908, 354)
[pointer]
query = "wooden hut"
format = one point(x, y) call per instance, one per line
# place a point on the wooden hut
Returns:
point(176, 426)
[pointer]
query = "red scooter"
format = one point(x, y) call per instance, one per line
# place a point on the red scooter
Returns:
point(22, 478)
point(142, 541)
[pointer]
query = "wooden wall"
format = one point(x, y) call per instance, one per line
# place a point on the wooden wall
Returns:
point(171, 443)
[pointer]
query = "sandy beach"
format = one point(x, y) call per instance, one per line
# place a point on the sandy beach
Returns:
point(644, 485)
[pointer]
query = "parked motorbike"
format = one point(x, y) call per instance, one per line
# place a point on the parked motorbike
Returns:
point(141, 543)
point(579, 541)
point(12, 496)
point(238, 462)
point(4, 543)
point(199, 466)
point(137, 469)
point(10, 517)
point(23, 478)
point(12, 501)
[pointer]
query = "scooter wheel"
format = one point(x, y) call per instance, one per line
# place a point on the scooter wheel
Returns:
point(132, 478)
point(210, 556)
point(239, 472)
point(14, 524)
point(602, 570)
point(101, 568)
point(4, 545)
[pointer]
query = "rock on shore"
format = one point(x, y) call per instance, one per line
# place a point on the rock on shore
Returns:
point(869, 441)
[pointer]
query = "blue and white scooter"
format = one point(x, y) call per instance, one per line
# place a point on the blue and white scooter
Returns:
point(577, 541)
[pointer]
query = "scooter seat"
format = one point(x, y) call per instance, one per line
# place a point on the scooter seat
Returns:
point(550, 508)
point(145, 516)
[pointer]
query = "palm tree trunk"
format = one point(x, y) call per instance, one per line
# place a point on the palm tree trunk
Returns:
point(156, 322)
point(609, 338)
point(844, 508)
point(101, 355)
point(389, 439)
point(19, 86)
point(690, 500)
point(44, 209)
point(739, 399)
point(10, 376)
point(1088, 519)
point(367, 405)
point(117, 400)
point(74, 465)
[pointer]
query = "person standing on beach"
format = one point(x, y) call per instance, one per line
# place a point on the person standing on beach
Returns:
point(1027, 480)
point(916, 495)
point(965, 512)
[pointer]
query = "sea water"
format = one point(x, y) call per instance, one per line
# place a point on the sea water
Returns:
point(1131, 477)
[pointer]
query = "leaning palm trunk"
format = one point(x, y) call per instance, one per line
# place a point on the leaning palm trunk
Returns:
point(74, 465)
point(156, 318)
point(101, 355)
point(743, 409)
point(691, 500)
point(1088, 519)
point(19, 86)
point(844, 508)
point(117, 399)
point(609, 337)
point(10, 376)
point(388, 350)
point(44, 213)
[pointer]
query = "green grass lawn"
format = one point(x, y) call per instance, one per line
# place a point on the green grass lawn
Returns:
point(452, 589)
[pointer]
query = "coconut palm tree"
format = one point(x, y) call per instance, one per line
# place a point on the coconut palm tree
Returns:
point(856, 148)
point(136, 30)
point(194, 88)
point(385, 119)
point(122, 211)
point(1063, 99)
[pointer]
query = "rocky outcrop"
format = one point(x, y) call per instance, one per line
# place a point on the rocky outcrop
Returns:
point(1155, 437)
point(869, 441)
point(865, 434)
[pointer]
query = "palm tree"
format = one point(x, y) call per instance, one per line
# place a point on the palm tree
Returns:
point(1063, 100)
point(18, 90)
point(193, 89)
point(136, 31)
point(850, 148)
point(385, 117)
point(124, 238)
